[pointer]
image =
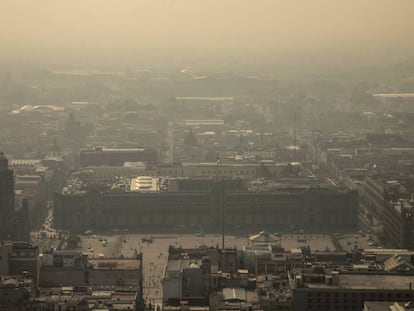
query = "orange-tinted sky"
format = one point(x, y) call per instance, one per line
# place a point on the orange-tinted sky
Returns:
point(287, 25)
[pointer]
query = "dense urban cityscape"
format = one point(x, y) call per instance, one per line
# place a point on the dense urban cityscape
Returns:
point(207, 184)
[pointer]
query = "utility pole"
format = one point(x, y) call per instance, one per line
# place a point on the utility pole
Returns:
point(222, 214)
point(294, 144)
point(217, 169)
point(222, 200)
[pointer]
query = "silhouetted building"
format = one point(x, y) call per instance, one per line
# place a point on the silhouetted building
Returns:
point(73, 128)
point(6, 199)
point(15, 292)
point(18, 258)
point(22, 222)
point(189, 139)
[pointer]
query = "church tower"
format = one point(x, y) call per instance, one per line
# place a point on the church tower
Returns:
point(6, 199)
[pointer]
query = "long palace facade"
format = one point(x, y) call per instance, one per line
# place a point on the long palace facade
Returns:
point(303, 207)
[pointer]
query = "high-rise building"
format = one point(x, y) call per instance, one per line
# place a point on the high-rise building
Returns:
point(6, 199)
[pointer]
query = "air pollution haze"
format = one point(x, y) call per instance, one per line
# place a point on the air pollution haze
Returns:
point(206, 155)
point(135, 29)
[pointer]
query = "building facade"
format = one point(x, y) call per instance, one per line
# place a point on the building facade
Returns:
point(6, 199)
point(116, 157)
point(351, 291)
point(310, 208)
point(399, 224)
point(18, 258)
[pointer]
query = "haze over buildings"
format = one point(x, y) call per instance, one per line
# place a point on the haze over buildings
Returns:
point(194, 32)
point(186, 155)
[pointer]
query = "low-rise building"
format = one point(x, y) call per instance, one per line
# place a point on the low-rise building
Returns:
point(77, 298)
point(340, 291)
point(17, 258)
point(16, 292)
point(69, 268)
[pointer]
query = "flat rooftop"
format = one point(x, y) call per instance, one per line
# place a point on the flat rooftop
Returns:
point(388, 251)
point(369, 281)
point(112, 150)
point(116, 264)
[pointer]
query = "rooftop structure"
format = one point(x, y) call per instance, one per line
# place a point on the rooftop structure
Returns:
point(234, 294)
point(145, 184)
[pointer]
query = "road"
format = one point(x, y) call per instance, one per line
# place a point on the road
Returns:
point(47, 237)
point(349, 242)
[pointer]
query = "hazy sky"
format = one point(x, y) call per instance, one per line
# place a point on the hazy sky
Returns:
point(228, 24)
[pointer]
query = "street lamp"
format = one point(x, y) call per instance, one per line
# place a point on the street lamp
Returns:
point(217, 168)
